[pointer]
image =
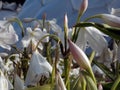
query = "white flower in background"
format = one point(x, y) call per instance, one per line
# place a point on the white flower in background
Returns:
point(97, 71)
point(55, 27)
point(18, 83)
point(38, 67)
point(111, 20)
point(115, 12)
point(92, 37)
point(48, 25)
point(3, 82)
point(6, 67)
point(3, 54)
point(7, 35)
point(34, 36)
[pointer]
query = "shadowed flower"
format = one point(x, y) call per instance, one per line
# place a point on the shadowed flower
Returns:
point(92, 37)
point(34, 36)
point(18, 83)
point(38, 67)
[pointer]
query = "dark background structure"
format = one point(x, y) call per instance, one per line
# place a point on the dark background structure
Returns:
point(17, 1)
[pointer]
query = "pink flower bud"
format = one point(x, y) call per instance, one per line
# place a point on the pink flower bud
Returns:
point(79, 56)
point(66, 21)
point(100, 87)
point(83, 6)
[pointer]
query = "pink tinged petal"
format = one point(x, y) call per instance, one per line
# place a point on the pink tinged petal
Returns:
point(111, 20)
point(66, 21)
point(79, 56)
point(83, 6)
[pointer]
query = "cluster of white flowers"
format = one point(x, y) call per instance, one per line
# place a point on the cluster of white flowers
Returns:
point(27, 67)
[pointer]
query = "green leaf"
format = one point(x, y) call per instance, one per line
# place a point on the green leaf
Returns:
point(111, 31)
point(91, 85)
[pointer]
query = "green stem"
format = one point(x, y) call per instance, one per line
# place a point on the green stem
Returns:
point(117, 81)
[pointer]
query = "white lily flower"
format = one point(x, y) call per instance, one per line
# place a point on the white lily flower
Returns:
point(111, 20)
point(38, 67)
point(93, 37)
point(49, 25)
point(18, 83)
point(3, 54)
point(7, 35)
point(3, 82)
point(33, 36)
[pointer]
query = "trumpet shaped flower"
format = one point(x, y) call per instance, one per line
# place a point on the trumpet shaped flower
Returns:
point(7, 35)
point(38, 67)
point(90, 36)
point(111, 20)
point(33, 36)
point(18, 84)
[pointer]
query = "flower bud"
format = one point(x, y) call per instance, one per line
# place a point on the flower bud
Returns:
point(83, 7)
point(79, 56)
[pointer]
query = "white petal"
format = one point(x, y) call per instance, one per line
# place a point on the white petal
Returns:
point(26, 41)
point(5, 46)
point(18, 84)
point(38, 66)
point(81, 40)
point(3, 82)
point(95, 39)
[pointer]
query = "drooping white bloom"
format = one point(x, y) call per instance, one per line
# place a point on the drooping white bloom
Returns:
point(18, 83)
point(111, 20)
point(93, 37)
point(38, 67)
point(33, 36)
point(7, 35)
point(3, 82)
point(48, 25)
